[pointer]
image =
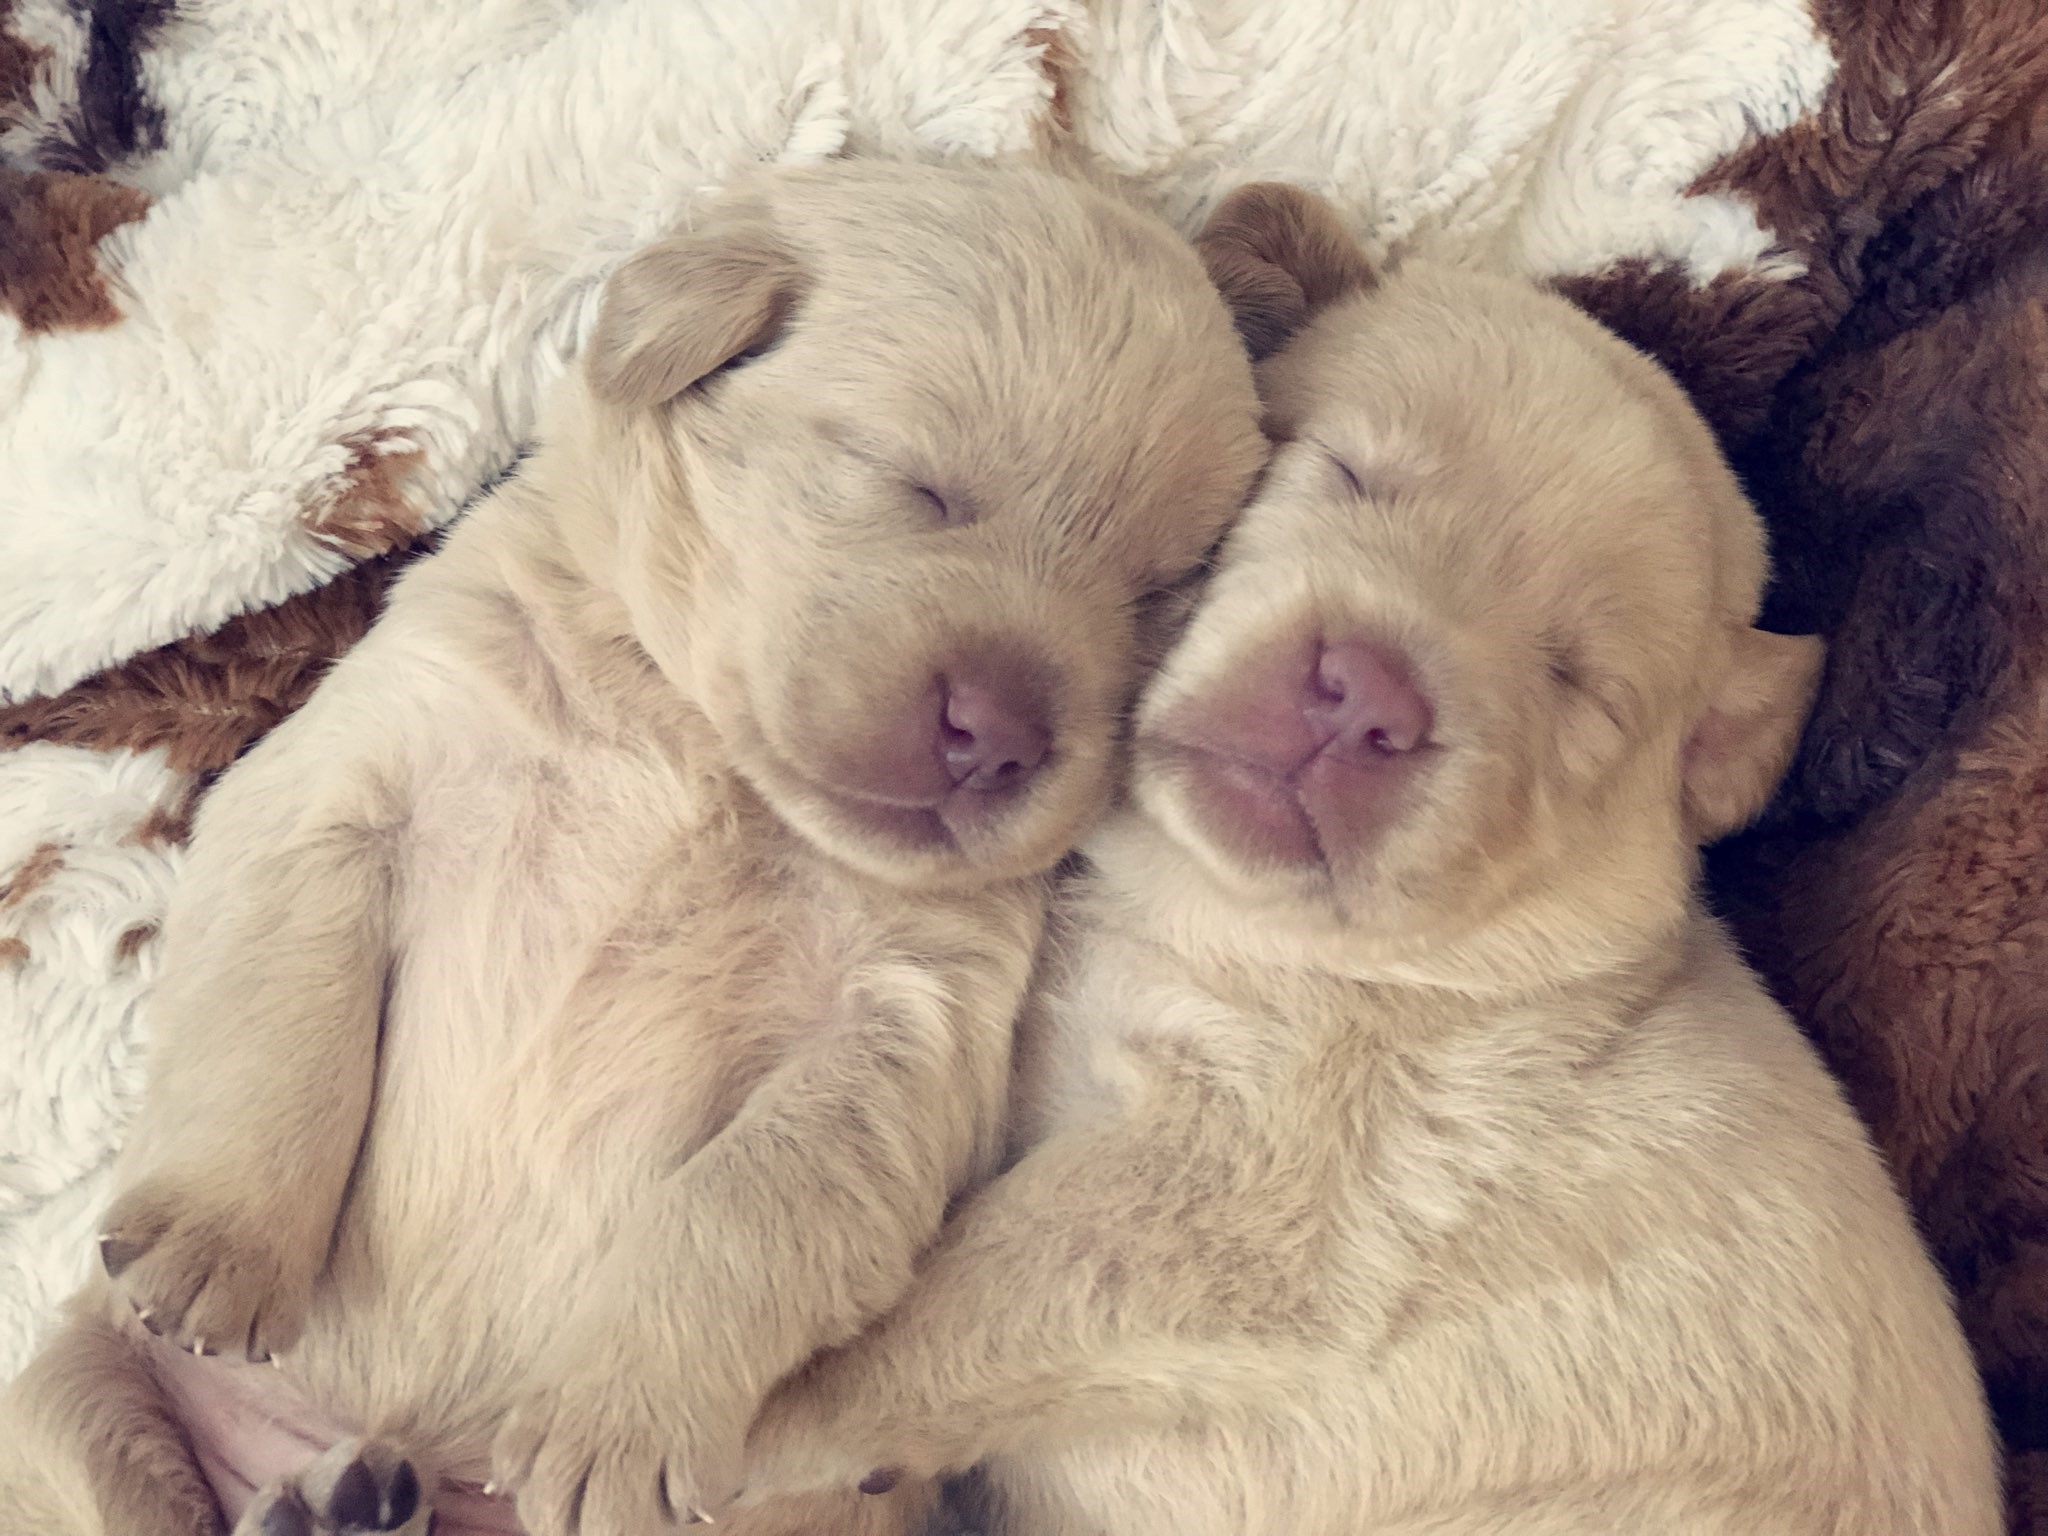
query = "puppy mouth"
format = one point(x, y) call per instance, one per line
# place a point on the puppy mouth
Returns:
point(1253, 810)
point(954, 824)
point(921, 827)
point(1322, 817)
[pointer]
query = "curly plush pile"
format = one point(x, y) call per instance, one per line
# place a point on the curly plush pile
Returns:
point(281, 281)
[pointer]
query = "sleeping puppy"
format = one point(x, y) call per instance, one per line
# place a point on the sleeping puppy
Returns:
point(584, 1010)
point(1404, 1148)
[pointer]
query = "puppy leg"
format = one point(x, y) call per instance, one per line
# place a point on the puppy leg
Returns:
point(1074, 1294)
point(788, 1231)
point(276, 955)
point(88, 1446)
point(356, 1487)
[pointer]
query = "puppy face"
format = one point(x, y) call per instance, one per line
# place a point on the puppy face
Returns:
point(940, 433)
point(1478, 669)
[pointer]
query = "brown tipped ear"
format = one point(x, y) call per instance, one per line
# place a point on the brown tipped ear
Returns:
point(686, 306)
point(1278, 254)
point(1744, 742)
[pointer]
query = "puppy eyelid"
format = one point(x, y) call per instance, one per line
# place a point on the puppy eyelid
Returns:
point(948, 514)
point(1353, 481)
point(1568, 672)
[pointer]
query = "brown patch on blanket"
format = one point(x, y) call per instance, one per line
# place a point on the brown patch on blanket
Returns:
point(1924, 94)
point(206, 698)
point(2027, 1475)
point(130, 943)
point(1057, 62)
point(169, 825)
point(1729, 342)
point(110, 118)
point(50, 223)
point(1915, 949)
point(14, 952)
point(368, 513)
point(20, 62)
point(43, 862)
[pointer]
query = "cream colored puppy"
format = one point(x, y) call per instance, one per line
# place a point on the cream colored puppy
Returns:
point(586, 1007)
point(1405, 1149)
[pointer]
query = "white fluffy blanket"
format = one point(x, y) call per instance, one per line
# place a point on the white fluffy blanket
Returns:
point(374, 230)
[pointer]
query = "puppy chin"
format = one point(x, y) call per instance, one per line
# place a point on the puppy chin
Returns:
point(1245, 815)
point(1243, 828)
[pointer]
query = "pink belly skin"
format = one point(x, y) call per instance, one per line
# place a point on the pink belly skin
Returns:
point(249, 1428)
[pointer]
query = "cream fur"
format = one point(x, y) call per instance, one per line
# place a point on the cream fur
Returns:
point(1466, 1182)
point(330, 265)
point(549, 1059)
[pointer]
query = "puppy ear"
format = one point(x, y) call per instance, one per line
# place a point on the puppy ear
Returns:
point(1277, 254)
point(686, 306)
point(1744, 742)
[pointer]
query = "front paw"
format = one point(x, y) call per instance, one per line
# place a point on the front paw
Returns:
point(209, 1277)
point(604, 1452)
point(356, 1488)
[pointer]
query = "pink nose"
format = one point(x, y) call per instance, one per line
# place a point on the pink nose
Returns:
point(1308, 751)
point(1359, 700)
point(991, 738)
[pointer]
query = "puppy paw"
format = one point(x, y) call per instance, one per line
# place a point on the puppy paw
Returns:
point(278, 1510)
point(209, 1278)
point(594, 1455)
point(362, 1485)
point(353, 1489)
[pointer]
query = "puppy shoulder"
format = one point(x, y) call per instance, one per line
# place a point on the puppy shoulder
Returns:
point(1717, 1056)
point(1726, 1100)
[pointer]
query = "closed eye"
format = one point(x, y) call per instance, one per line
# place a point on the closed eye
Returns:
point(1565, 670)
point(1569, 673)
point(1352, 480)
point(946, 512)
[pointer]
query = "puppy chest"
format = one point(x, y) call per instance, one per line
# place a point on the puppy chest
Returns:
point(585, 937)
point(515, 871)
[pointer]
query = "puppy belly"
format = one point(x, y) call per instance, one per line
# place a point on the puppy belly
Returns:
point(247, 1424)
point(250, 1427)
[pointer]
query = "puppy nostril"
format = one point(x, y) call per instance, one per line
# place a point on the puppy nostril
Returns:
point(1328, 682)
point(962, 752)
point(990, 743)
point(1362, 698)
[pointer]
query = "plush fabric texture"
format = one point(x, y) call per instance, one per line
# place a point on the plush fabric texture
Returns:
point(281, 282)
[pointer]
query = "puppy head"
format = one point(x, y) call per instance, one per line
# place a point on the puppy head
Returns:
point(1479, 669)
point(916, 444)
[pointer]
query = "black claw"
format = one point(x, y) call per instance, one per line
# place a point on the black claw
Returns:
point(116, 1255)
point(881, 1480)
point(288, 1517)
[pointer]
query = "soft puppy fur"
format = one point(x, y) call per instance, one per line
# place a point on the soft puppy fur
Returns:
point(1401, 1147)
point(586, 1007)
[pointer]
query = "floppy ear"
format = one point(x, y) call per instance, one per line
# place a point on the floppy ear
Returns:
point(687, 305)
point(1742, 745)
point(1277, 254)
